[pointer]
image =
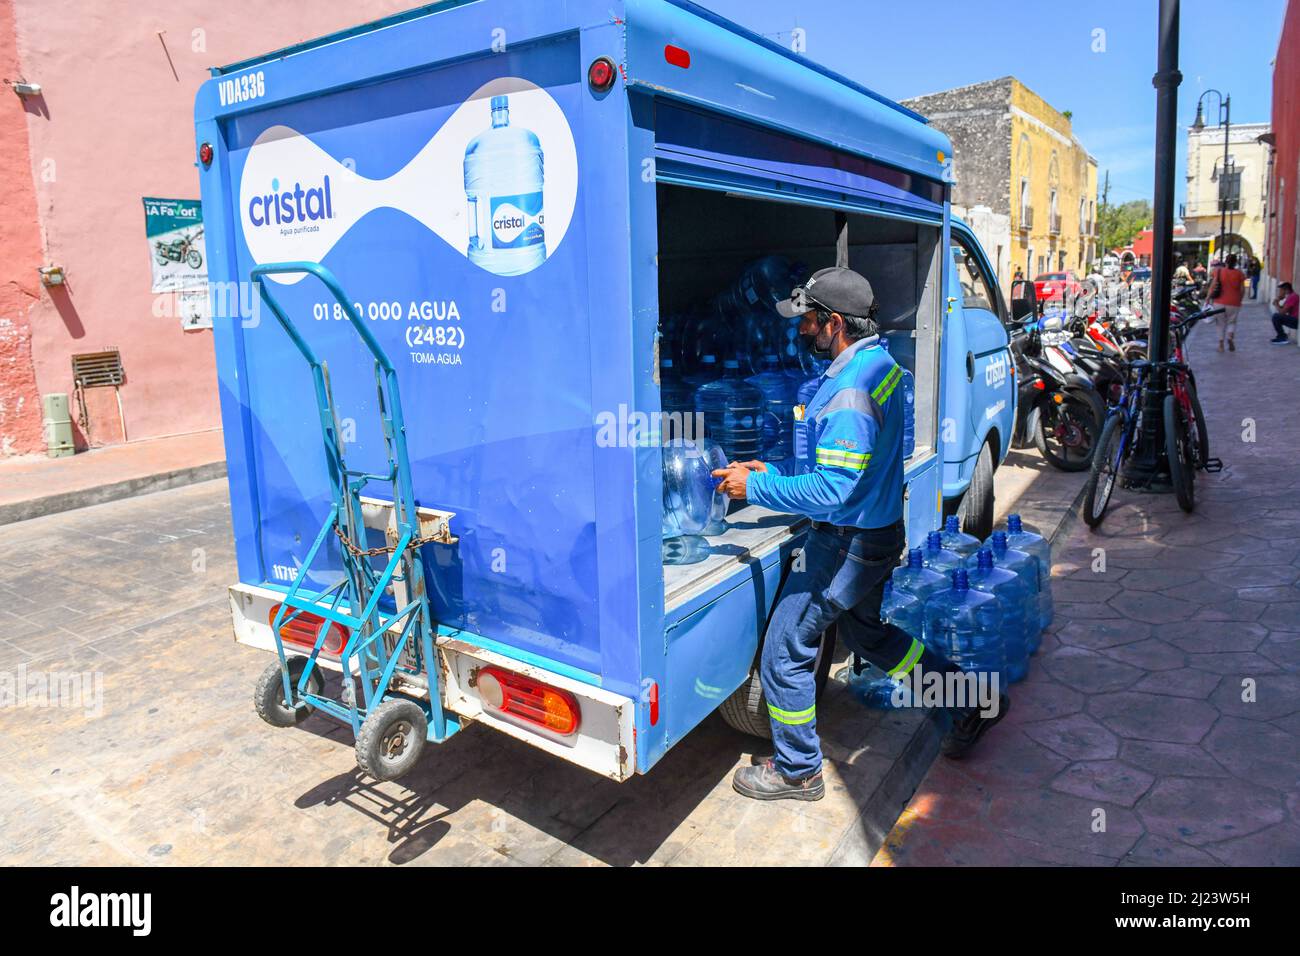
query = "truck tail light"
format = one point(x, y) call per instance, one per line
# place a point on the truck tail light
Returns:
point(529, 700)
point(302, 630)
point(601, 74)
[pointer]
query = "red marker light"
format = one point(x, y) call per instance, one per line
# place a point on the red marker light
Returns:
point(601, 74)
point(677, 56)
point(205, 154)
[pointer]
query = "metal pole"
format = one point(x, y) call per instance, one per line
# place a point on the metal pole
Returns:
point(1223, 178)
point(1149, 463)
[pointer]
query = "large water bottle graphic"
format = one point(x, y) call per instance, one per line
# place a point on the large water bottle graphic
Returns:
point(503, 185)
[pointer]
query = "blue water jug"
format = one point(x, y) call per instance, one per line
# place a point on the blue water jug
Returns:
point(1022, 564)
point(717, 458)
point(966, 626)
point(871, 685)
point(954, 539)
point(677, 400)
point(1019, 610)
point(707, 370)
point(778, 409)
point(937, 557)
point(919, 581)
point(732, 410)
point(1023, 539)
point(503, 186)
point(903, 609)
point(688, 491)
point(907, 388)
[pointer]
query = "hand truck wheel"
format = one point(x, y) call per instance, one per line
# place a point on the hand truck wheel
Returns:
point(268, 695)
point(392, 739)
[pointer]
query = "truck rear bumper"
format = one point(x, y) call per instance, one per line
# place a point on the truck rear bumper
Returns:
point(605, 741)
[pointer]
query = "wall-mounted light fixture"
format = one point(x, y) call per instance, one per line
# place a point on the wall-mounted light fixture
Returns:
point(52, 275)
point(23, 88)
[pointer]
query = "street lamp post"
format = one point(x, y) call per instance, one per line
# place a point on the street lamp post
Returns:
point(1148, 466)
point(1225, 120)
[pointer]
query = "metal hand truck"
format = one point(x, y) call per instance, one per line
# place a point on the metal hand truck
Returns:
point(391, 655)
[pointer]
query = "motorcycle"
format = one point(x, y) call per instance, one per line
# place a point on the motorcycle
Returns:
point(179, 250)
point(1058, 408)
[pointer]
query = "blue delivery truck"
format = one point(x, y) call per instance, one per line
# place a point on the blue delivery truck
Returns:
point(442, 250)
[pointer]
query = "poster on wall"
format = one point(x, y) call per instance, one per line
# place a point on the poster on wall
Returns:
point(193, 310)
point(174, 228)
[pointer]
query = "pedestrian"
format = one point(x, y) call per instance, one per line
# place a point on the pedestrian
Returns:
point(849, 481)
point(1227, 286)
point(1182, 275)
point(1253, 270)
point(1288, 305)
point(1019, 275)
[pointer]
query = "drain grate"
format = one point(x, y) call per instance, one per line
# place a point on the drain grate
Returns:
point(94, 369)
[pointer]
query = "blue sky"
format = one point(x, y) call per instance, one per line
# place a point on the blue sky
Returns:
point(1048, 46)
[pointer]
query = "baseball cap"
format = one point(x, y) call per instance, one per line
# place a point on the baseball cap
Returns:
point(835, 289)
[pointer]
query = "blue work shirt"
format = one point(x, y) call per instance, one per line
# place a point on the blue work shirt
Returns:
point(850, 470)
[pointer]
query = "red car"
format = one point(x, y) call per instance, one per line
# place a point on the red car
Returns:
point(1050, 285)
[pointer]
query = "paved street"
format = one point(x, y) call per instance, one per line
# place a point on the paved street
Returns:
point(1160, 719)
point(176, 768)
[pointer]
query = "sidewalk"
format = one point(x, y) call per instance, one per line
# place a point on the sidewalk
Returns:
point(35, 485)
point(1159, 722)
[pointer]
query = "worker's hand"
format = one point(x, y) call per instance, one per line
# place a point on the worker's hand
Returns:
point(735, 480)
point(749, 465)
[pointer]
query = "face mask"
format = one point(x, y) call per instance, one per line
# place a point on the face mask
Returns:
point(810, 341)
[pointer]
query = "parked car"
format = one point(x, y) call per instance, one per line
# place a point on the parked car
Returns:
point(1051, 285)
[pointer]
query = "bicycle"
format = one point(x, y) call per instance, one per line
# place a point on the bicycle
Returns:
point(1187, 442)
point(1123, 421)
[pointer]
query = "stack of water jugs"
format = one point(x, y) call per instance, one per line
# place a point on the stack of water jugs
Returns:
point(983, 606)
point(738, 367)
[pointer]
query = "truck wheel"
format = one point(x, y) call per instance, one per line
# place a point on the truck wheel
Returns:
point(746, 709)
point(976, 509)
point(268, 695)
point(392, 738)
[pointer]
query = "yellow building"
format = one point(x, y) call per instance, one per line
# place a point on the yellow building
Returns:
point(1018, 156)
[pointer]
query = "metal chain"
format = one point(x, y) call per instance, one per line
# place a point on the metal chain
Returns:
point(374, 552)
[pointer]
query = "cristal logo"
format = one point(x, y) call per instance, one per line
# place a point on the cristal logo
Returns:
point(510, 221)
point(278, 208)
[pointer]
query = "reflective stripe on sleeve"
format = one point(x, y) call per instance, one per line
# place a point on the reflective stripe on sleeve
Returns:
point(839, 458)
point(886, 388)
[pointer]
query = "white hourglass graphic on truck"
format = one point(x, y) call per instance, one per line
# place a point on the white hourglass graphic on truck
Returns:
point(503, 184)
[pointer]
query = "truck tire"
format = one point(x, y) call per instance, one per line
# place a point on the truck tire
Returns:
point(977, 504)
point(746, 709)
point(268, 695)
point(392, 738)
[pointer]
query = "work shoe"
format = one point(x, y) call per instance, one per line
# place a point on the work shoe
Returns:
point(764, 782)
point(1279, 340)
point(968, 729)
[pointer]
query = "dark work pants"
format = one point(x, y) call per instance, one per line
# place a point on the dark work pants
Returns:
point(838, 578)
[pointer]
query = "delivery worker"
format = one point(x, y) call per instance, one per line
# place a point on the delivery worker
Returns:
point(850, 483)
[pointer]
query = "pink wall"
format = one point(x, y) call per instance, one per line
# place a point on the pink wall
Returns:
point(20, 288)
point(115, 124)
